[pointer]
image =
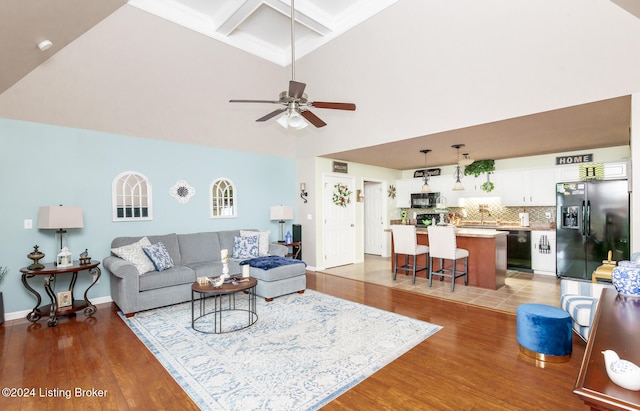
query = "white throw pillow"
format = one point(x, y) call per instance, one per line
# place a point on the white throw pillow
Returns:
point(134, 254)
point(263, 240)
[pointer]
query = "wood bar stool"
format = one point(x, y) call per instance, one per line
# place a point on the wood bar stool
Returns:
point(405, 241)
point(442, 245)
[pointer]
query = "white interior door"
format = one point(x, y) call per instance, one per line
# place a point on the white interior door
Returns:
point(339, 222)
point(373, 222)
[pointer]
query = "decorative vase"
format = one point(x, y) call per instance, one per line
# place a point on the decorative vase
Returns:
point(626, 279)
point(36, 255)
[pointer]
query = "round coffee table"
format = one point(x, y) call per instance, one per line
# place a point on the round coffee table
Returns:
point(209, 319)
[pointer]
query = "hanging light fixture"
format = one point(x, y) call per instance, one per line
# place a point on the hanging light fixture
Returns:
point(292, 118)
point(425, 186)
point(458, 174)
point(466, 160)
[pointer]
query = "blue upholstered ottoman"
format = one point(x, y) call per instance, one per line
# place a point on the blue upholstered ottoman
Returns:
point(544, 332)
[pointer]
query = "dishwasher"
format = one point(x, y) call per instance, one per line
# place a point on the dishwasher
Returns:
point(519, 250)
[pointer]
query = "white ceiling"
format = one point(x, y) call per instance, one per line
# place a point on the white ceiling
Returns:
point(423, 73)
point(263, 27)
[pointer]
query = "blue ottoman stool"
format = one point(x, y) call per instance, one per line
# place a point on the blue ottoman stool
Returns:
point(544, 332)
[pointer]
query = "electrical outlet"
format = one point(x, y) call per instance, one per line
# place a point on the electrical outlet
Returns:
point(95, 277)
point(28, 224)
point(547, 215)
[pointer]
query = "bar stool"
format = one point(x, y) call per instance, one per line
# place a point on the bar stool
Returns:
point(442, 245)
point(405, 241)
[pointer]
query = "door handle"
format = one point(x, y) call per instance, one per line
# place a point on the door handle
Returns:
point(353, 225)
point(588, 222)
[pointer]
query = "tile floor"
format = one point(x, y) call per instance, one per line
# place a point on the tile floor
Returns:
point(520, 287)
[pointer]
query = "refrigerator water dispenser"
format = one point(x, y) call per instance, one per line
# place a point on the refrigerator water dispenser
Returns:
point(570, 217)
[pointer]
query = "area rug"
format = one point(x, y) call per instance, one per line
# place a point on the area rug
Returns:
point(304, 351)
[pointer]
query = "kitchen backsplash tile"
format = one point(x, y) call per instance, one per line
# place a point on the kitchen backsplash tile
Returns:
point(495, 211)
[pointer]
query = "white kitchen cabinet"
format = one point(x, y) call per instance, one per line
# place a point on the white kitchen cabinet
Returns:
point(473, 186)
point(543, 252)
point(404, 189)
point(615, 170)
point(542, 190)
point(612, 171)
point(535, 187)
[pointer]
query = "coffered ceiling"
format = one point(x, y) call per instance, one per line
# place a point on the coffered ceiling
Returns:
point(262, 27)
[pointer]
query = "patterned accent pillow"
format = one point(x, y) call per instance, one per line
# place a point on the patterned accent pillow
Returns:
point(245, 247)
point(263, 240)
point(134, 254)
point(159, 256)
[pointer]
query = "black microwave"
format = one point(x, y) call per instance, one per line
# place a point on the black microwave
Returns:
point(424, 200)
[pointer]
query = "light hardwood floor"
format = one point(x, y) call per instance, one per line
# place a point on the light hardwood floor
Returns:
point(520, 287)
point(473, 363)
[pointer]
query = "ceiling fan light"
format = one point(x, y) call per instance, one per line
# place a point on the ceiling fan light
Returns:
point(295, 120)
point(283, 120)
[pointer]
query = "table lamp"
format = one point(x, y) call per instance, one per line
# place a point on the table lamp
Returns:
point(281, 213)
point(60, 218)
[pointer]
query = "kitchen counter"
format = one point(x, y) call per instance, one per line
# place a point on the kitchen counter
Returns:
point(487, 264)
point(509, 227)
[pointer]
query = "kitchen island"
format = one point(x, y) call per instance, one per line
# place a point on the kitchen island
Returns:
point(487, 264)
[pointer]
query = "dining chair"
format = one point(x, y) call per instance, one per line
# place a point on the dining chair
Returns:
point(442, 245)
point(405, 241)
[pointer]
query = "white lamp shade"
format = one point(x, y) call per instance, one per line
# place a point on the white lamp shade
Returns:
point(281, 213)
point(59, 217)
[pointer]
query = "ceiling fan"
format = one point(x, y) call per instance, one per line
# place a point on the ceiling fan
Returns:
point(294, 101)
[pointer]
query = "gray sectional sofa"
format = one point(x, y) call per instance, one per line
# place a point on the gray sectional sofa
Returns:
point(194, 255)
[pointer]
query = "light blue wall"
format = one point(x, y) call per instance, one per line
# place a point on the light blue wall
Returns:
point(49, 165)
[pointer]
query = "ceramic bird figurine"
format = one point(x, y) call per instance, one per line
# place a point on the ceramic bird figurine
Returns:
point(217, 282)
point(622, 372)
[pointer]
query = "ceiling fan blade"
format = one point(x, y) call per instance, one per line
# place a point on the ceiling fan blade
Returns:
point(312, 118)
point(272, 114)
point(296, 89)
point(255, 101)
point(335, 106)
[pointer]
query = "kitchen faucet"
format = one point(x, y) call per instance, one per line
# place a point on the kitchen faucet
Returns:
point(483, 208)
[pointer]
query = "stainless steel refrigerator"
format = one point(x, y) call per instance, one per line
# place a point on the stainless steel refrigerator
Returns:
point(592, 218)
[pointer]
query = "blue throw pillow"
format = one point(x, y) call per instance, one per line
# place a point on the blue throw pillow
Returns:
point(245, 247)
point(159, 256)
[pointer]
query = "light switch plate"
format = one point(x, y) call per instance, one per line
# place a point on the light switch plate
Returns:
point(28, 224)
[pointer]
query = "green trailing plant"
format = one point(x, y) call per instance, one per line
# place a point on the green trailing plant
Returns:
point(478, 167)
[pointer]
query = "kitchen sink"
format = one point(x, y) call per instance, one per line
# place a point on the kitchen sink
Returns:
point(478, 225)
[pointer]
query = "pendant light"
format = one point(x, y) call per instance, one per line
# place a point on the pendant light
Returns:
point(458, 174)
point(466, 160)
point(425, 186)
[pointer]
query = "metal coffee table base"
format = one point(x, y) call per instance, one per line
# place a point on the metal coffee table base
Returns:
point(217, 311)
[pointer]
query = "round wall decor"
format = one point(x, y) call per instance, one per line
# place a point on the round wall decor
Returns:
point(182, 191)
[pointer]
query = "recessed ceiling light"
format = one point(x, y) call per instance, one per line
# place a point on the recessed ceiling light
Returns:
point(45, 45)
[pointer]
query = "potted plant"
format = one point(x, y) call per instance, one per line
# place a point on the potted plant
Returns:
point(3, 273)
point(482, 166)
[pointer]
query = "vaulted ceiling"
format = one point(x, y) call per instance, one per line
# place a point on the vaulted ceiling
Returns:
point(506, 79)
